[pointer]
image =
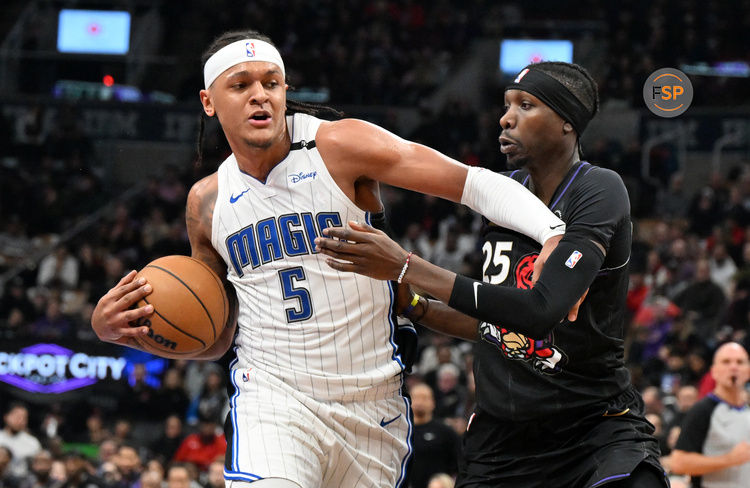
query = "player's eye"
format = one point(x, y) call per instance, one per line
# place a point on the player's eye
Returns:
point(526, 105)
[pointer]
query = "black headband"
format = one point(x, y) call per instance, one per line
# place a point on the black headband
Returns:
point(555, 95)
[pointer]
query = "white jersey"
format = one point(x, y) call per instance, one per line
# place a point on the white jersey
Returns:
point(327, 333)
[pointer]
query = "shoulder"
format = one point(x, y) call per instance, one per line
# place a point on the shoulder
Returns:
point(703, 408)
point(201, 200)
point(602, 178)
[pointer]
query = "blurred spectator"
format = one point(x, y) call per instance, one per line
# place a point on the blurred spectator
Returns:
point(39, 477)
point(178, 476)
point(15, 298)
point(140, 403)
point(722, 268)
point(212, 401)
point(23, 446)
point(703, 300)
point(441, 480)
point(53, 324)
point(79, 472)
point(7, 479)
point(685, 398)
point(129, 467)
point(171, 397)
point(215, 475)
point(151, 479)
point(58, 269)
point(203, 447)
point(436, 445)
point(165, 446)
point(450, 395)
point(57, 472)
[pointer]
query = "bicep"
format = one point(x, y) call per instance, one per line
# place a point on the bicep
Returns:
point(363, 149)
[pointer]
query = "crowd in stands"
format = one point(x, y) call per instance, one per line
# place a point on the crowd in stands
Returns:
point(690, 265)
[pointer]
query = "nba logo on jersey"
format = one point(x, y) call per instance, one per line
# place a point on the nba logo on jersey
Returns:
point(573, 259)
point(246, 375)
point(250, 49)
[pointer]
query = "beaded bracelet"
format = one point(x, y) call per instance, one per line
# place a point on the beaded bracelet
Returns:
point(403, 270)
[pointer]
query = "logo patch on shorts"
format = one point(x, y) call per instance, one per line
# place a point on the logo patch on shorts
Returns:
point(573, 259)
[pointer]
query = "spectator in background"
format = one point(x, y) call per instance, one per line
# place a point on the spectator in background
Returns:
point(53, 325)
point(215, 475)
point(171, 397)
point(450, 395)
point(58, 269)
point(436, 445)
point(129, 467)
point(41, 467)
point(22, 445)
point(15, 298)
point(178, 476)
point(722, 268)
point(212, 401)
point(441, 480)
point(7, 479)
point(703, 300)
point(714, 443)
point(165, 446)
point(151, 479)
point(204, 446)
point(685, 398)
point(79, 471)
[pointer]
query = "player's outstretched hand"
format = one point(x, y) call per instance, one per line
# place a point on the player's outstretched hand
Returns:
point(362, 249)
point(112, 316)
point(549, 246)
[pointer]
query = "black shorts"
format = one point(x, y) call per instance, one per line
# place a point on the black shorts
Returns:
point(582, 451)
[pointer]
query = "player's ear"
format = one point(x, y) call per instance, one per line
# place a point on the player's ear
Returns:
point(208, 106)
point(567, 128)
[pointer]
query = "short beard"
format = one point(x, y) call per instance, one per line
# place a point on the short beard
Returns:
point(517, 163)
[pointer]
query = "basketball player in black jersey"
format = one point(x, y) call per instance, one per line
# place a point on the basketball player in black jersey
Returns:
point(555, 406)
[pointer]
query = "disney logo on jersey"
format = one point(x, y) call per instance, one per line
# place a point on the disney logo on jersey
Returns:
point(296, 178)
point(525, 271)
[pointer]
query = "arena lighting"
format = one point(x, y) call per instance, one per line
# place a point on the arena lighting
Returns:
point(515, 54)
point(93, 31)
point(730, 69)
point(108, 80)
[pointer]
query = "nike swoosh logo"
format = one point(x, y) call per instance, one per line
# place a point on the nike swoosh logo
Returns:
point(233, 198)
point(553, 227)
point(615, 414)
point(476, 294)
point(383, 423)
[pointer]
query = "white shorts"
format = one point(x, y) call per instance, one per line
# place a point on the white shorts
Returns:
point(274, 431)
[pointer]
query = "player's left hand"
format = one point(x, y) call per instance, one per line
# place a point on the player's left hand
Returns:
point(549, 246)
point(362, 249)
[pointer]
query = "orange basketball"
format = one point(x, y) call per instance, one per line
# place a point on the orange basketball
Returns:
point(190, 306)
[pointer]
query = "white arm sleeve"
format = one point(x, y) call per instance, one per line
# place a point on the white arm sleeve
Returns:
point(508, 203)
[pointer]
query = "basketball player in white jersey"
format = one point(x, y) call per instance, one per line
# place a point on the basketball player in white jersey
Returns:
point(317, 376)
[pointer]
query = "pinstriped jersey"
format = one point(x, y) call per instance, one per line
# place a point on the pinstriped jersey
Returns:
point(327, 333)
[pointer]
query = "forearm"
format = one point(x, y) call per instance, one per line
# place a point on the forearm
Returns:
point(439, 317)
point(509, 204)
point(697, 464)
point(544, 306)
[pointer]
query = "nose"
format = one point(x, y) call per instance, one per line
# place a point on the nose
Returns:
point(508, 120)
point(258, 95)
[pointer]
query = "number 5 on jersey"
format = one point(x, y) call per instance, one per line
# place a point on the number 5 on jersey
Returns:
point(302, 310)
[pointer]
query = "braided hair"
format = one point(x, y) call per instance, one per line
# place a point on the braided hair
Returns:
point(292, 106)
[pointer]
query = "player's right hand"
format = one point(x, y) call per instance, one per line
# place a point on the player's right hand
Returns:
point(113, 314)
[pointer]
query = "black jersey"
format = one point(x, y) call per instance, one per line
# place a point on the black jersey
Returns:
point(579, 365)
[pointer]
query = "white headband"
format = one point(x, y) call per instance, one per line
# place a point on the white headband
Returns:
point(239, 52)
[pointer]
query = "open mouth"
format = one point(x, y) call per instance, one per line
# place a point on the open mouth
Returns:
point(507, 145)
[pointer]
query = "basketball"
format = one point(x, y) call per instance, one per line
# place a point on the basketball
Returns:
point(190, 306)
